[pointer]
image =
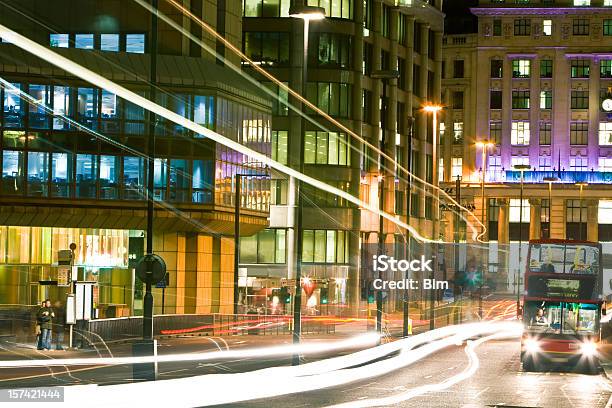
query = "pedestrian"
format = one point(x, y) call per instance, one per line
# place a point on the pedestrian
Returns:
point(58, 323)
point(37, 328)
point(46, 315)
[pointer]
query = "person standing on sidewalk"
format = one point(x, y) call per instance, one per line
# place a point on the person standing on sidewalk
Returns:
point(45, 316)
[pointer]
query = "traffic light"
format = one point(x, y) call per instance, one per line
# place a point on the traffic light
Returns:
point(284, 296)
point(324, 295)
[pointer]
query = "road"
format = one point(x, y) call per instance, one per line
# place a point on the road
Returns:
point(497, 382)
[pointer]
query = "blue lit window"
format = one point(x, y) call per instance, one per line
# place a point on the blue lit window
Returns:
point(59, 40)
point(109, 166)
point(133, 178)
point(38, 115)
point(12, 172)
point(202, 181)
point(160, 177)
point(13, 107)
point(135, 43)
point(204, 111)
point(87, 107)
point(86, 170)
point(61, 107)
point(109, 42)
point(84, 41)
point(179, 180)
point(61, 174)
point(110, 112)
point(38, 174)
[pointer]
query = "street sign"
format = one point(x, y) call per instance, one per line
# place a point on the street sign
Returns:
point(151, 269)
point(63, 275)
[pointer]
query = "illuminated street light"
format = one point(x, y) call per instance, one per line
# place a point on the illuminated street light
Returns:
point(434, 109)
point(307, 14)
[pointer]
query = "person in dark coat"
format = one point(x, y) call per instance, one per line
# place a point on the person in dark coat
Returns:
point(45, 315)
point(37, 328)
point(58, 324)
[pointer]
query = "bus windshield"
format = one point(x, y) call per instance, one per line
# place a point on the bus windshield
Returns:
point(564, 258)
point(561, 317)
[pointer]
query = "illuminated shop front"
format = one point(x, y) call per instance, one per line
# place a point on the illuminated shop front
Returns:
point(28, 255)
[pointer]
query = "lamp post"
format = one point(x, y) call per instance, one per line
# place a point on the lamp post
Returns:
point(384, 76)
point(550, 180)
point(434, 109)
point(521, 168)
point(581, 184)
point(484, 145)
point(306, 14)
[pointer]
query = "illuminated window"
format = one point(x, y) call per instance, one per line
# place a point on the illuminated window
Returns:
point(334, 8)
point(109, 42)
point(12, 172)
point(605, 164)
point(327, 148)
point(84, 41)
point(515, 211)
point(135, 43)
point(267, 247)
point(546, 99)
point(325, 246)
point(59, 40)
point(280, 142)
point(457, 166)
point(494, 168)
point(547, 27)
point(520, 133)
point(521, 68)
point(519, 161)
point(544, 163)
point(441, 169)
point(607, 3)
point(605, 212)
point(579, 163)
point(457, 132)
point(605, 133)
point(582, 2)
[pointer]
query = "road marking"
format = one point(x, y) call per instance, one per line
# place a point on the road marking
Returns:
point(480, 392)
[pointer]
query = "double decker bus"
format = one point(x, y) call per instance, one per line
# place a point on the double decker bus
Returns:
point(562, 305)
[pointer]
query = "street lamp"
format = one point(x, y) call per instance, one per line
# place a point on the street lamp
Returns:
point(384, 76)
point(550, 180)
point(521, 168)
point(306, 14)
point(434, 109)
point(484, 145)
point(581, 184)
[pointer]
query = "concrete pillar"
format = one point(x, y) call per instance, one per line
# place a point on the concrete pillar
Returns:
point(592, 220)
point(535, 217)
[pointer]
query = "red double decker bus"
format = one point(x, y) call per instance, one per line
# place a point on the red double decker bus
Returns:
point(562, 305)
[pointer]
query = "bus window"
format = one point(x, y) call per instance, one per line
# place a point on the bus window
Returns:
point(546, 258)
point(582, 259)
point(544, 317)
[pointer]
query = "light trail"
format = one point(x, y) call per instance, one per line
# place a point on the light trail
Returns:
point(48, 55)
point(363, 340)
point(295, 94)
point(470, 370)
point(278, 381)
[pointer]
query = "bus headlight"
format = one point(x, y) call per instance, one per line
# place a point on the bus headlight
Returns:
point(532, 346)
point(588, 349)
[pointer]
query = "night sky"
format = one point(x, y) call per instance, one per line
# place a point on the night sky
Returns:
point(458, 16)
